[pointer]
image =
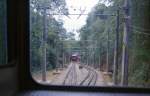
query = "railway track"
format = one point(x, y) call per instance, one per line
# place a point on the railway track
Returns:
point(71, 77)
point(90, 79)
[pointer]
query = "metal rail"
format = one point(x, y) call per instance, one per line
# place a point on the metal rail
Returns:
point(90, 79)
point(71, 77)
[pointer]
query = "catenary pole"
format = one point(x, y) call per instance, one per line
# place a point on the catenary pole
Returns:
point(115, 73)
point(107, 59)
point(124, 73)
point(44, 42)
point(44, 46)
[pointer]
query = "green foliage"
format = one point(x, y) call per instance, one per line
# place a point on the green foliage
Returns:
point(139, 67)
point(55, 33)
point(97, 27)
point(96, 30)
point(95, 36)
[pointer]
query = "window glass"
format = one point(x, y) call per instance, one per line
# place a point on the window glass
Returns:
point(3, 33)
point(90, 42)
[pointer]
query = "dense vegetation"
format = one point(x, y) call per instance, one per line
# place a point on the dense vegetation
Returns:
point(139, 69)
point(101, 31)
point(97, 38)
point(55, 33)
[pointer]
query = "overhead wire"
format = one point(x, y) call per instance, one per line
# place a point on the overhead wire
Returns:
point(140, 30)
point(136, 31)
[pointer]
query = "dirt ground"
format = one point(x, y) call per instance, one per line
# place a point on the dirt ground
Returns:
point(57, 77)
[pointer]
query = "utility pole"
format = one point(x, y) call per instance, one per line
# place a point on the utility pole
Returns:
point(64, 59)
point(63, 55)
point(100, 56)
point(115, 71)
point(87, 58)
point(44, 41)
point(44, 46)
point(94, 62)
point(107, 59)
point(124, 73)
point(57, 55)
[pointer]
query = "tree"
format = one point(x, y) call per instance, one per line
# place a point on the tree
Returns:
point(55, 31)
point(139, 45)
point(96, 30)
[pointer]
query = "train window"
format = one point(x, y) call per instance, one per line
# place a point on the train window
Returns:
point(90, 42)
point(3, 33)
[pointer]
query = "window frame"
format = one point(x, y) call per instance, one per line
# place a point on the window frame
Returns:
point(26, 81)
point(11, 37)
point(5, 34)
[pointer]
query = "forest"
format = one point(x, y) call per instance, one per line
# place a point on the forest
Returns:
point(115, 39)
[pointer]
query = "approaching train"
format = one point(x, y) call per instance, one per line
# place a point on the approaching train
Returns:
point(75, 57)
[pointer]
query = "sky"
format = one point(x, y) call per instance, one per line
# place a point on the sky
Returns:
point(74, 23)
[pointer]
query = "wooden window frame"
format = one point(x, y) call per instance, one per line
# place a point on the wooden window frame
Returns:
point(21, 50)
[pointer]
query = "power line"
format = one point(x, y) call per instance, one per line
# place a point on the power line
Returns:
point(136, 31)
point(85, 14)
point(140, 28)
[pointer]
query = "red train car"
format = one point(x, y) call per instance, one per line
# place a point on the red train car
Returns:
point(75, 57)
